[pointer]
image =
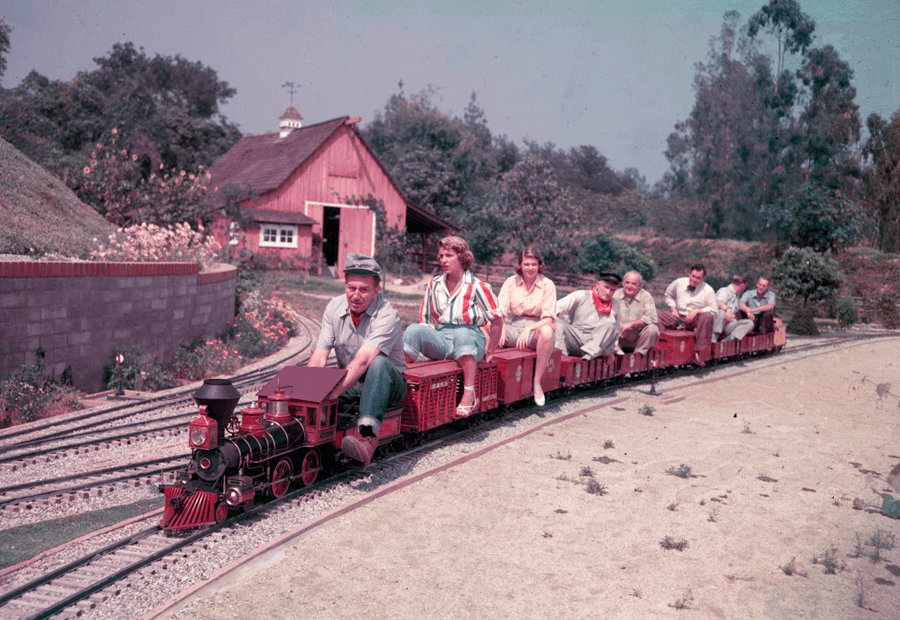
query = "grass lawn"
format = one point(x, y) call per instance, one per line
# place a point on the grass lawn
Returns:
point(310, 295)
point(26, 541)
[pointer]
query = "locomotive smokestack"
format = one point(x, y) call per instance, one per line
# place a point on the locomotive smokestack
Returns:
point(220, 398)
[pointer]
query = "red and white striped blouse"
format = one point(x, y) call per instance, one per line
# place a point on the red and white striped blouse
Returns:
point(472, 303)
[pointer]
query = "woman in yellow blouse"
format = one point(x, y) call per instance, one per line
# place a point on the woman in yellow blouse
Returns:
point(528, 303)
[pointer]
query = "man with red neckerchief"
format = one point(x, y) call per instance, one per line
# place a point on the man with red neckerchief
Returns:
point(588, 323)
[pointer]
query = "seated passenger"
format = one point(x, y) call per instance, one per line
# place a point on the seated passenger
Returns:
point(693, 307)
point(364, 331)
point(587, 322)
point(528, 304)
point(638, 315)
point(728, 324)
point(455, 306)
point(759, 305)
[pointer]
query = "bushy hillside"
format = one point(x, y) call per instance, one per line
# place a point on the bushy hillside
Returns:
point(39, 215)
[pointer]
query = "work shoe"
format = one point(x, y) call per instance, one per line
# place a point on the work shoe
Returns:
point(699, 362)
point(360, 448)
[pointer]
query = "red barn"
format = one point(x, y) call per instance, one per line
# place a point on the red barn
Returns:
point(301, 178)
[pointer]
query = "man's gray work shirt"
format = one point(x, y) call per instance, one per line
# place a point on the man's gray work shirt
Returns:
point(379, 327)
point(753, 300)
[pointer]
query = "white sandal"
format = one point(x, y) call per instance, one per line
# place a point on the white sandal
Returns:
point(464, 411)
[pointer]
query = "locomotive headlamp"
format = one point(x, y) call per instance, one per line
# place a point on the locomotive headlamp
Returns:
point(203, 431)
point(198, 436)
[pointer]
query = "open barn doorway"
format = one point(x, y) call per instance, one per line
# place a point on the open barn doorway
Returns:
point(331, 233)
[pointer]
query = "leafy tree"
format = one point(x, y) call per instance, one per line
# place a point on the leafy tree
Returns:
point(112, 183)
point(726, 152)
point(436, 159)
point(758, 132)
point(882, 177)
point(485, 226)
point(792, 28)
point(5, 31)
point(819, 218)
point(829, 123)
point(807, 276)
point(165, 109)
point(539, 212)
point(604, 253)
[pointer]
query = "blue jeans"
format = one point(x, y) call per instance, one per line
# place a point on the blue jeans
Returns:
point(380, 389)
point(445, 342)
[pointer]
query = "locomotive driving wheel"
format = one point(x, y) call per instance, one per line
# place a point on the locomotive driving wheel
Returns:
point(281, 478)
point(310, 467)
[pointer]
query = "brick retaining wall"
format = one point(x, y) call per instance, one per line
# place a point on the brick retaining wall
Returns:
point(80, 312)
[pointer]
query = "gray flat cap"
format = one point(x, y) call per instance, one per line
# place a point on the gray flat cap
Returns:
point(362, 265)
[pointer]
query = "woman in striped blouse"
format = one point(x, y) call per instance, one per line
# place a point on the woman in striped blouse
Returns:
point(455, 306)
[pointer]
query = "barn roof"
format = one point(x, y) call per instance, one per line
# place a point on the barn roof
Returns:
point(272, 216)
point(265, 161)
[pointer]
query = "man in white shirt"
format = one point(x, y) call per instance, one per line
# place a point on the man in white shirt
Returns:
point(693, 307)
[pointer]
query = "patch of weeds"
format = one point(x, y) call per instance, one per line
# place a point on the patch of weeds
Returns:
point(747, 430)
point(548, 535)
point(636, 592)
point(684, 602)
point(682, 471)
point(561, 457)
point(646, 410)
point(792, 568)
point(713, 515)
point(608, 444)
point(859, 550)
point(565, 478)
point(670, 543)
point(830, 561)
point(586, 472)
point(860, 597)
point(673, 506)
point(595, 488)
point(605, 460)
point(881, 541)
point(561, 511)
point(766, 479)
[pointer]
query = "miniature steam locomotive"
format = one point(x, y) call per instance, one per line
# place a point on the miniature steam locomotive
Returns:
point(295, 431)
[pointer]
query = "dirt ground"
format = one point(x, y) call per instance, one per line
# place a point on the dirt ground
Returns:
point(776, 456)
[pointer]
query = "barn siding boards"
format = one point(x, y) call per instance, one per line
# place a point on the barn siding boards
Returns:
point(312, 167)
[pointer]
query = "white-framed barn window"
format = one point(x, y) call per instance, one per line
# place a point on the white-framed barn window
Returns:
point(277, 236)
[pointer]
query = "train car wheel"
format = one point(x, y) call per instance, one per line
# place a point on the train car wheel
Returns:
point(221, 511)
point(309, 467)
point(281, 478)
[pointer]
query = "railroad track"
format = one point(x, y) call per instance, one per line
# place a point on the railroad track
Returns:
point(78, 594)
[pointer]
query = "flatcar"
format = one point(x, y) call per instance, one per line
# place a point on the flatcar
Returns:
point(294, 431)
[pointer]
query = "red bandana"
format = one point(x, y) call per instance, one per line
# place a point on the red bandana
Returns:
point(356, 318)
point(603, 307)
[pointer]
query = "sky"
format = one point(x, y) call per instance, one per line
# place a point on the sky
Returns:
point(617, 75)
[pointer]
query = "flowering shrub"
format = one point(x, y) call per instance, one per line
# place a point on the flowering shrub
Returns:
point(205, 359)
point(114, 184)
point(149, 242)
point(29, 396)
point(139, 371)
point(263, 326)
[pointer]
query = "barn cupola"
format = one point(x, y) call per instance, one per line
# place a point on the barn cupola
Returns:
point(289, 121)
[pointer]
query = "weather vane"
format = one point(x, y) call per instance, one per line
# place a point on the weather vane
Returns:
point(291, 86)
